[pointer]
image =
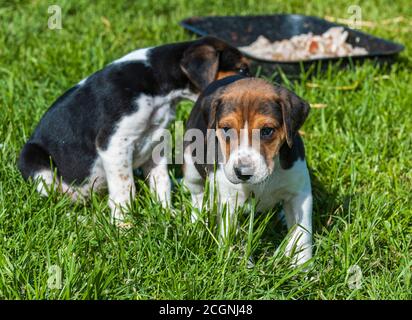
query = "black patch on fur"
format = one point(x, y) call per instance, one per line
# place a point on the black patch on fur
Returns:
point(39, 160)
point(289, 155)
point(211, 88)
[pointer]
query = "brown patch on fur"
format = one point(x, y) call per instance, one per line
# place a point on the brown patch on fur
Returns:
point(230, 140)
point(224, 74)
point(123, 176)
point(249, 90)
point(261, 120)
point(271, 148)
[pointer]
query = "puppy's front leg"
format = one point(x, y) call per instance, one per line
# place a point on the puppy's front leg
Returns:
point(194, 182)
point(227, 221)
point(227, 198)
point(298, 214)
point(117, 164)
point(159, 180)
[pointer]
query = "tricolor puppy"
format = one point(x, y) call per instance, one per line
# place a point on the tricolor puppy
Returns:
point(99, 130)
point(252, 148)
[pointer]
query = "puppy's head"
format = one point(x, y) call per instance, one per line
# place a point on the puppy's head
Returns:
point(209, 59)
point(253, 119)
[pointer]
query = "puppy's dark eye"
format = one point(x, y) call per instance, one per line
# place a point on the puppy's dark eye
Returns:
point(266, 132)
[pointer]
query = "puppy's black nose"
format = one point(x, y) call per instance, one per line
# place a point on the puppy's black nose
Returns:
point(241, 173)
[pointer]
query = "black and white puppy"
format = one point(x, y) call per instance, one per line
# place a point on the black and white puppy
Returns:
point(99, 130)
point(257, 150)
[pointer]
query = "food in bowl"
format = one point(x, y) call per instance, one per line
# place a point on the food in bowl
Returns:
point(331, 43)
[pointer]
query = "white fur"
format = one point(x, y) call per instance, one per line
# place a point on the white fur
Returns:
point(159, 181)
point(83, 81)
point(246, 158)
point(131, 146)
point(45, 179)
point(137, 55)
point(253, 164)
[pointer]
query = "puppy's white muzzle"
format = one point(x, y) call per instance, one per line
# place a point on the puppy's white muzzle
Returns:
point(246, 166)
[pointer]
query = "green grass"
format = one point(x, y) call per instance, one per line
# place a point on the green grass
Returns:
point(358, 149)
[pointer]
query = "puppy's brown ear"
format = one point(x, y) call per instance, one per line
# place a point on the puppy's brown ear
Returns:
point(200, 63)
point(294, 111)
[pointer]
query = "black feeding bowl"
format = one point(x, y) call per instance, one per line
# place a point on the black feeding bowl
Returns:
point(243, 30)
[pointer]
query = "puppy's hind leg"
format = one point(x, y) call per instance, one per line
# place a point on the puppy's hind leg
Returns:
point(117, 164)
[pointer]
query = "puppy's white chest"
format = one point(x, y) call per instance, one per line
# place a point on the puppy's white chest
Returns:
point(279, 186)
point(283, 184)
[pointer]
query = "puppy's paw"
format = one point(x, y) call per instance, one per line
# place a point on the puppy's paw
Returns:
point(194, 216)
point(300, 258)
point(117, 214)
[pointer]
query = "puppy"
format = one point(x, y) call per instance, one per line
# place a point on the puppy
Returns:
point(106, 125)
point(252, 148)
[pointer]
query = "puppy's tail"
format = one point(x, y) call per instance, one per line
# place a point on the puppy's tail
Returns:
point(33, 159)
